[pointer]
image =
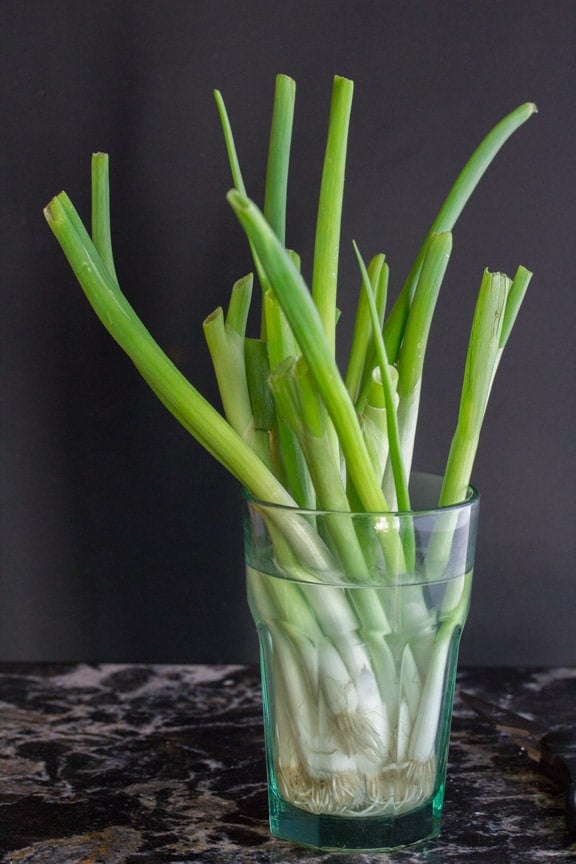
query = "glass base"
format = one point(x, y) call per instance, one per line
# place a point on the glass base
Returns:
point(357, 833)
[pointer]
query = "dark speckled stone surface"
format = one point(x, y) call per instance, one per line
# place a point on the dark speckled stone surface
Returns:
point(121, 764)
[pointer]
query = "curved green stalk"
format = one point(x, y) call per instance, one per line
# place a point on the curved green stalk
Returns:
point(451, 209)
point(230, 143)
point(237, 178)
point(111, 306)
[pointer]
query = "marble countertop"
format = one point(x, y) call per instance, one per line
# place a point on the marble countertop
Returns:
point(135, 764)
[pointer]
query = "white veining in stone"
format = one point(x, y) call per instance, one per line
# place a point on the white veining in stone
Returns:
point(133, 764)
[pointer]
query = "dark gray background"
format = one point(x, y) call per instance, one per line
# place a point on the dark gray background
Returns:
point(119, 538)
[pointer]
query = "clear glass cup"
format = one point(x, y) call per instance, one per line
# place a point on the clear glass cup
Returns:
point(359, 618)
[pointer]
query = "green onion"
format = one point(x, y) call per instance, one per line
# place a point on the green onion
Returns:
point(296, 432)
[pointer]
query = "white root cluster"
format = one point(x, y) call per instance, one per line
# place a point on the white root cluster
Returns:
point(395, 790)
point(356, 716)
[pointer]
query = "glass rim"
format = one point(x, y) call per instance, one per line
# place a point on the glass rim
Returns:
point(472, 497)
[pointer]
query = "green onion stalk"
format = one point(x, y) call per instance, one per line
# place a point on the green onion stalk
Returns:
point(297, 432)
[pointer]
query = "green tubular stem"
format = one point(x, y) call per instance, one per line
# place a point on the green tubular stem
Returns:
point(239, 304)
point(327, 242)
point(300, 407)
point(101, 231)
point(425, 726)
point(279, 155)
point(461, 458)
point(371, 362)
point(237, 178)
point(395, 454)
point(302, 410)
point(293, 467)
point(287, 451)
point(309, 332)
point(514, 300)
point(374, 425)
point(302, 413)
point(257, 372)
point(227, 350)
point(451, 209)
point(375, 435)
point(413, 349)
point(279, 337)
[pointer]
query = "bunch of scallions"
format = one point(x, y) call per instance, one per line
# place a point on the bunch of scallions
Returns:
point(298, 432)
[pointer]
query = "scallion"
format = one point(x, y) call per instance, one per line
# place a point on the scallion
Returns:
point(295, 431)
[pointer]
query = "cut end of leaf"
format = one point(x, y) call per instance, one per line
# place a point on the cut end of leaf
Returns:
point(287, 80)
point(218, 313)
point(51, 211)
point(48, 211)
